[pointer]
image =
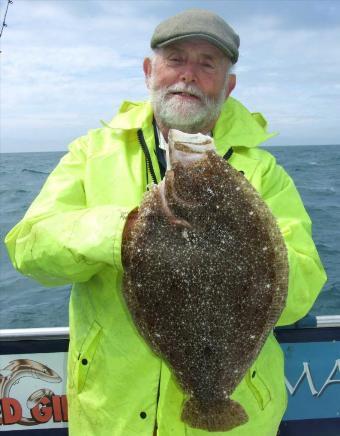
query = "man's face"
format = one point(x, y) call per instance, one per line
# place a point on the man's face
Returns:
point(188, 82)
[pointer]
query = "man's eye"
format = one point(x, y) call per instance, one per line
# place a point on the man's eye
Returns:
point(175, 60)
point(208, 66)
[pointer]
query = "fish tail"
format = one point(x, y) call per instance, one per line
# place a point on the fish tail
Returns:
point(222, 415)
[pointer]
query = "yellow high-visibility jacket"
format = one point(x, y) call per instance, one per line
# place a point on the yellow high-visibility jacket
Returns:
point(72, 234)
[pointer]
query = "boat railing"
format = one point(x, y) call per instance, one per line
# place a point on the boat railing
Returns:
point(320, 321)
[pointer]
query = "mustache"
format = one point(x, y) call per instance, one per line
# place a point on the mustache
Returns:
point(188, 89)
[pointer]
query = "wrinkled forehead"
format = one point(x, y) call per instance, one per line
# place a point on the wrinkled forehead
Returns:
point(194, 47)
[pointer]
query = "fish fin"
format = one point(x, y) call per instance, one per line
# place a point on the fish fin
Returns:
point(174, 220)
point(222, 415)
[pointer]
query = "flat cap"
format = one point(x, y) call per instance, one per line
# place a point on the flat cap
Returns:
point(198, 23)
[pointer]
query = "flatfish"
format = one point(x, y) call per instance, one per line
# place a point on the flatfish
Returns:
point(206, 278)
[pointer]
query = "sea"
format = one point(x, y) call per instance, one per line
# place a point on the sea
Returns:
point(25, 303)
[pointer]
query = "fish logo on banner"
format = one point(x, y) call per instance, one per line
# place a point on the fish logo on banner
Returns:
point(42, 403)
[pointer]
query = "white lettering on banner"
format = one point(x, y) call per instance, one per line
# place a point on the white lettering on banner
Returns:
point(307, 373)
point(329, 379)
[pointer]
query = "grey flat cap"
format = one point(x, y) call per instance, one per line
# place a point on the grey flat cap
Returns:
point(201, 24)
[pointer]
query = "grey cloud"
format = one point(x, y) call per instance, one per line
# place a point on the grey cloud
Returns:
point(72, 63)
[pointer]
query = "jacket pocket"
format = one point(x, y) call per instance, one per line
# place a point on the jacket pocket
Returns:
point(86, 355)
point(258, 387)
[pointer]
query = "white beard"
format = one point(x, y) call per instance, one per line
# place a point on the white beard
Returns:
point(188, 116)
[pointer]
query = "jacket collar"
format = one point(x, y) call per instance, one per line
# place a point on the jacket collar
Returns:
point(132, 115)
point(236, 126)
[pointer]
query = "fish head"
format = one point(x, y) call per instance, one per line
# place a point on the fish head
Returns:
point(187, 148)
point(44, 372)
point(191, 180)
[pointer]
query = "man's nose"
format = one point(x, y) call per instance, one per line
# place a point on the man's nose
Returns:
point(188, 73)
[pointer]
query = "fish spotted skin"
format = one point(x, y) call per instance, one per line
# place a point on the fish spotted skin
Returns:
point(206, 296)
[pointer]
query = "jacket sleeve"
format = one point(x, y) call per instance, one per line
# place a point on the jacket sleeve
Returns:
point(61, 240)
point(306, 273)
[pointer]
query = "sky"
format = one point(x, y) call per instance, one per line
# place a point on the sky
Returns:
point(67, 64)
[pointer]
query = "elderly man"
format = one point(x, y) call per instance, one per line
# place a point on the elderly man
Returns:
point(73, 231)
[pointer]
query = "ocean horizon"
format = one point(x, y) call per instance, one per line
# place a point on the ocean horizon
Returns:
point(266, 146)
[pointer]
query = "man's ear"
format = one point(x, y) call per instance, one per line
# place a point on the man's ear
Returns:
point(231, 84)
point(147, 67)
